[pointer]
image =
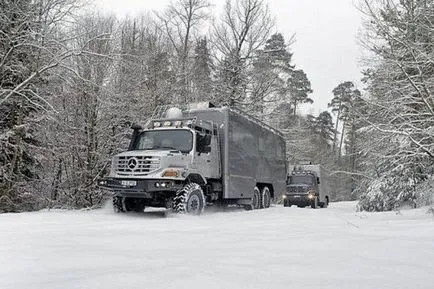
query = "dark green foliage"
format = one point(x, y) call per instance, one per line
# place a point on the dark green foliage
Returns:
point(299, 88)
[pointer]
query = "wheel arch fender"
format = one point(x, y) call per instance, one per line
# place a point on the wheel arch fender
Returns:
point(195, 177)
point(269, 186)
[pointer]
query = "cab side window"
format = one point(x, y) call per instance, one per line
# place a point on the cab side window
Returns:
point(203, 143)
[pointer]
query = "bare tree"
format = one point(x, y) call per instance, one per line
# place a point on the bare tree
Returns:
point(244, 27)
point(181, 21)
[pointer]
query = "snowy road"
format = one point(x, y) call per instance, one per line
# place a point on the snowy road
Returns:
point(275, 248)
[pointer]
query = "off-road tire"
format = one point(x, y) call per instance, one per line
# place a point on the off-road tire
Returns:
point(118, 205)
point(265, 198)
point(189, 200)
point(256, 199)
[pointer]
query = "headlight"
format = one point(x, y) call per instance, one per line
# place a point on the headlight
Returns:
point(171, 173)
point(284, 197)
point(311, 196)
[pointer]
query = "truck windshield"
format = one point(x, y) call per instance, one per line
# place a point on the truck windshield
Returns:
point(171, 139)
point(302, 179)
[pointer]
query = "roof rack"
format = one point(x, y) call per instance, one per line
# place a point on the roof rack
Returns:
point(159, 113)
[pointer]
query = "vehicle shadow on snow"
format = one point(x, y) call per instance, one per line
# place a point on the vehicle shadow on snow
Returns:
point(155, 213)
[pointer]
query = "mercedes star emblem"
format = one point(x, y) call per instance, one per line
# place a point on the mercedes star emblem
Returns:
point(132, 163)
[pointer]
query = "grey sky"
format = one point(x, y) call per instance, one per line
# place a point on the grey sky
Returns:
point(325, 48)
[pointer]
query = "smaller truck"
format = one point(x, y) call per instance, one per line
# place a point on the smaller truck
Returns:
point(306, 186)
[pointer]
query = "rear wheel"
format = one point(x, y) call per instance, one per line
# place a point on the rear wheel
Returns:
point(189, 200)
point(256, 201)
point(266, 198)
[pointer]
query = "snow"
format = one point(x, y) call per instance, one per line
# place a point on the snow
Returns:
point(274, 248)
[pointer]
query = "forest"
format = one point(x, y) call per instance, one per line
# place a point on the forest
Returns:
point(73, 81)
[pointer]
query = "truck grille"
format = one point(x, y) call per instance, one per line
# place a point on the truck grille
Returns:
point(296, 189)
point(136, 165)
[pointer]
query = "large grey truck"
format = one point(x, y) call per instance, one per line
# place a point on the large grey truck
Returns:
point(306, 186)
point(189, 156)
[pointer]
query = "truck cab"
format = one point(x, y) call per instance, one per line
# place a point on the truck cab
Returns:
point(161, 160)
point(303, 188)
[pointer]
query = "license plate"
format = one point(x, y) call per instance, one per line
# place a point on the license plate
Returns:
point(128, 183)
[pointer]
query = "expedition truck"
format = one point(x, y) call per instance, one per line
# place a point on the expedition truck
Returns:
point(190, 156)
point(306, 186)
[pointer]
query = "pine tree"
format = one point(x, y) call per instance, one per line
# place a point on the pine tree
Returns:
point(344, 95)
point(202, 71)
point(299, 89)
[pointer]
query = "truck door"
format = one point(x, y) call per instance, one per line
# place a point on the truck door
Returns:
point(207, 155)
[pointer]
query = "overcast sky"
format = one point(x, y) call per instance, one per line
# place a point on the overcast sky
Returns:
point(326, 30)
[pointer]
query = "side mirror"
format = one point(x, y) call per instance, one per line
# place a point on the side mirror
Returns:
point(136, 126)
point(136, 131)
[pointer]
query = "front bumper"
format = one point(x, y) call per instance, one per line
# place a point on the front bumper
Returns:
point(140, 188)
point(298, 199)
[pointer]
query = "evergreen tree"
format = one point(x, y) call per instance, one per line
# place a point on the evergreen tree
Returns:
point(399, 140)
point(271, 68)
point(202, 71)
point(299, 89)
point(344, 95)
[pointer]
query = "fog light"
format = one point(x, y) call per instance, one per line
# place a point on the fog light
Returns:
point(163, 185)
point(157, 185)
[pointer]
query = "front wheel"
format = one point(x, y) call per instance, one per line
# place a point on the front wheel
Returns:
point(189, 200)
point(314, 203)
point(119, 205)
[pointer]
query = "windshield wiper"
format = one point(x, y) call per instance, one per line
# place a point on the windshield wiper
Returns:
point(163, 148)
point(170, 148)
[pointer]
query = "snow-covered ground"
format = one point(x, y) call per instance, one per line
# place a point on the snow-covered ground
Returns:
point(274, 248)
